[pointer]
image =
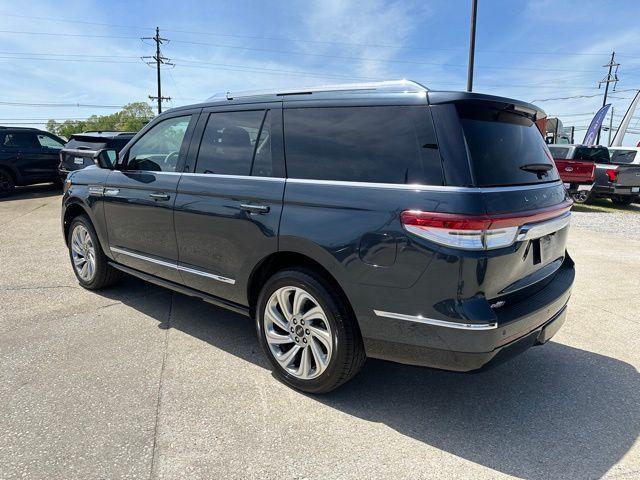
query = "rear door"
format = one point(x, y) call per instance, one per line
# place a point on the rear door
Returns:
point(32, 160)
point(139, 197)
point(229, 200)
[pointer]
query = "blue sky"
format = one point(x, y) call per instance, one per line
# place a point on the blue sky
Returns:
point(527, 49)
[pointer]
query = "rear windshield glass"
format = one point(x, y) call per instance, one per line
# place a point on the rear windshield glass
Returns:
point(559, 152)
point(505, 147)
point(84, 144)
point(622, 156)
point(592, 154)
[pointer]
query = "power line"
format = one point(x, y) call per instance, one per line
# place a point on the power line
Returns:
point(302, 40)
point(46, 104)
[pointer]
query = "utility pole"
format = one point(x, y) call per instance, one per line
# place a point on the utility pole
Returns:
point(607, 80)
point(472, 44)
point(158, 60)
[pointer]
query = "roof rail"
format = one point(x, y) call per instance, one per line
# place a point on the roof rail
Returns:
point(392, 86)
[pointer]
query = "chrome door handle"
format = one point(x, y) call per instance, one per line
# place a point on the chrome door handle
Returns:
point(254, 208)
point(160, 196)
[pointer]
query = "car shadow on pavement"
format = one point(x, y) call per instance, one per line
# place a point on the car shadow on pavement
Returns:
point(33, 191)
point(553, 412)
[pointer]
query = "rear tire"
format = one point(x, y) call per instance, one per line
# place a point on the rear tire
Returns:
point(7, 183)
point(88, 261)
point(622, 201)
point(581, 197)
point(313, 341)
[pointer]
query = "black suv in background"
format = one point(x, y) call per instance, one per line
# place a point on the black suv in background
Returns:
point(27, 156)
point(379, 220)
point(90, 141)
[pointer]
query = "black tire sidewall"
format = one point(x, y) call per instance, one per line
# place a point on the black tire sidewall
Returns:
point(12, 183)
point(336, 314)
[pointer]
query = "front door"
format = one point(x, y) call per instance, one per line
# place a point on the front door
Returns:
point(228, 206)
point(139, 198)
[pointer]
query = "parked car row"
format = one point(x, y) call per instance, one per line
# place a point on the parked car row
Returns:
point(599, 172)
point(29, 156)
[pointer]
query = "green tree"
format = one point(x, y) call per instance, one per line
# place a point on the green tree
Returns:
point(131, 118)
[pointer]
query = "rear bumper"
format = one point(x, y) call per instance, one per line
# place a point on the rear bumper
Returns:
point(609, 190)
point(469, 347)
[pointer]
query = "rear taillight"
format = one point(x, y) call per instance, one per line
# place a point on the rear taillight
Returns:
point(475, 232)
point(612, 174)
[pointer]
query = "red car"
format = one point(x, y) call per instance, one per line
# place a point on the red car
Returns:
point(577, 165)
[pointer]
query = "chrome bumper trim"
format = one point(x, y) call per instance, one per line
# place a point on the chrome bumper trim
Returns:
point(437, 323)
point(541, 229)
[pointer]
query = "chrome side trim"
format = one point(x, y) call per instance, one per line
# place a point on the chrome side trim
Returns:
point(437, 323)
point(143, 257)
point(417, 187)
point(235, 177)
point(205, 274)
point(541, 229)
point(172, 265)
point(111, 192)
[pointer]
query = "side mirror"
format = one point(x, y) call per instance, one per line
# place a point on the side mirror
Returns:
point(106, 158)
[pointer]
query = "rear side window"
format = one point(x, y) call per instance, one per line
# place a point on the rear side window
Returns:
point(362, 144)
point(505, 147)
point(230, 141)
point(21, 140)
point(592, 154)
point(622, 156)
point(559, 152)
point(49, 142)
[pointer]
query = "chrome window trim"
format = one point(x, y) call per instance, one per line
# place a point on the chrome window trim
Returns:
point(437, 323)
point(419, 187)
point(173, 265)
point(395, 186)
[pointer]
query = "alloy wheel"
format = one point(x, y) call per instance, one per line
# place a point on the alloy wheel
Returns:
point(83, 253)
point(298, 332)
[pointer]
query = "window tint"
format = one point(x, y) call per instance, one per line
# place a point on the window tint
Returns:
point(505, 147)
point(49, 142)
point(21, 140)
point(229, 141)
point(622, 156)
point(363, 144)
point(592, 154)
point(159, 148)
point(559, 152)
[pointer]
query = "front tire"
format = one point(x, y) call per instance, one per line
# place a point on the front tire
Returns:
point(7, 184)
point(88, 261)
point(308, 332)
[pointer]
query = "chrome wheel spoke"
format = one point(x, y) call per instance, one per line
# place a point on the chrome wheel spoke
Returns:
point(286, 358)
point(274, 315)
point(305, 363)
point(277, 338)
point(283, 296)
point(313, 314)
point(322, 336)
point(319, 357)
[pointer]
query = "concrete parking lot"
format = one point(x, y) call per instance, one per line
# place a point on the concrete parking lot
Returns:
point(139, 382)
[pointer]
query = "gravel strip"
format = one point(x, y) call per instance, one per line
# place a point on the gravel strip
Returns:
point(605, 219)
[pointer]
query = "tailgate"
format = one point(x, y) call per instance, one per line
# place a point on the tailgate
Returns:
point(628, 176)
point(76, 159)
point(573, 171)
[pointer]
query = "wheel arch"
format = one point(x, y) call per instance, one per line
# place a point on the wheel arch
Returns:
point(73, 207)
point(281, 260)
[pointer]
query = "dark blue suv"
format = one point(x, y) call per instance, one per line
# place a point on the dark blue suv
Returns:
point(379, 220)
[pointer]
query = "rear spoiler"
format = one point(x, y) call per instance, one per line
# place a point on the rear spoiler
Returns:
point(95, 155)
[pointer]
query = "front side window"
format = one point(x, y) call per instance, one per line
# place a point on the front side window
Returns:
point(362, 144)
point(49, 142)
point(158, 150)
point(230, 141)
